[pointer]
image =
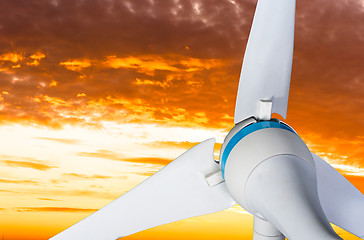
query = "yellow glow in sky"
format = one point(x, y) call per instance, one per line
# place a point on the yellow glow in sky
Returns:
point(64, 175)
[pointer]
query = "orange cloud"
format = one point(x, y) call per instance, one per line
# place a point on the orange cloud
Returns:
point(49, 199)
point(149, 160)
point(110, 155)
point(76, 65)
point(33, 63)
point(60, 140)
point(34, 165)
point(105, 154)
point(25, 162)
point(53, 83)
point(53, 209)
point(79, 193)
point(172, 144)
point(150, 82)
point(2, 180)
point(145, 173)
point(12, 57)
point(146, 64)
point(52, 100)
point(149, 64)
point(86, 176)
point(37, 56)
point(8, 191)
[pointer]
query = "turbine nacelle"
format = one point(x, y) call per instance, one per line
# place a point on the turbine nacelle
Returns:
point(270, 172)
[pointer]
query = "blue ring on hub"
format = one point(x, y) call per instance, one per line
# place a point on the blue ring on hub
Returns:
point(245, 132)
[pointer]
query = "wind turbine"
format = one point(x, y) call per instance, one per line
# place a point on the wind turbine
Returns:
point(264, 165)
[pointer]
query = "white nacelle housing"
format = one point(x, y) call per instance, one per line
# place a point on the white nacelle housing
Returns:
point(271, 173)
point(254, 149)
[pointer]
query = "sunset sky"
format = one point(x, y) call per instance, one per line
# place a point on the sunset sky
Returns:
point(97, 95)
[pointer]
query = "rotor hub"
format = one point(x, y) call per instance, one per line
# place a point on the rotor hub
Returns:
point(242, 130)
point(250, 144)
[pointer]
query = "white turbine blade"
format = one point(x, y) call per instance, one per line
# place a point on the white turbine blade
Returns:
point(342, 203)
point(189, 186)
point(266, 70)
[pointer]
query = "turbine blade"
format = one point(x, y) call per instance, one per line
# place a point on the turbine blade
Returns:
point(342, 203)
point(189, 186)
point(266, 70)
